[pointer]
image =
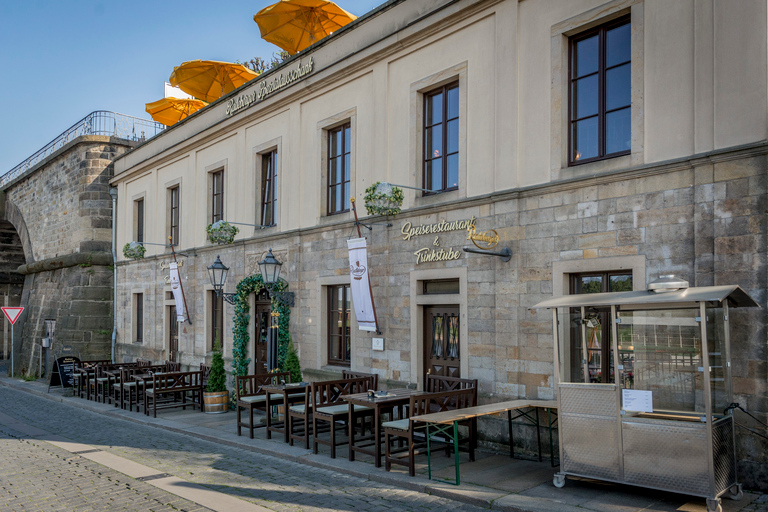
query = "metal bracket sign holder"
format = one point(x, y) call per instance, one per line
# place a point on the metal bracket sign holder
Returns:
point(12, 314)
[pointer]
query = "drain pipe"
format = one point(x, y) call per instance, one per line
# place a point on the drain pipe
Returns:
point(113, 193)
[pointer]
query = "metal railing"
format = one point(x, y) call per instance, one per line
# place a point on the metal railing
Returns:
point(100, 122)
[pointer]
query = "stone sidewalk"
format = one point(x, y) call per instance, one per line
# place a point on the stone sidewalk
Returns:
point(493, 481)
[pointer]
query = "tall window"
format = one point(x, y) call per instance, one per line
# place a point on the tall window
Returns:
point(441, 139)
point(139, 213)
point(217, 196)
point(268, 188)
point(173, 214)
point(339, 151)
point(597, 365)
point(600, 93)
point(138, 317)
point(339, 349)
point(217, 320)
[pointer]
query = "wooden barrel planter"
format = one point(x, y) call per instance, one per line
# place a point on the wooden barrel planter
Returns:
point(216, 403)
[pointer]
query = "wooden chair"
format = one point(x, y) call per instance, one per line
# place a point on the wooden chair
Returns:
point(250, 396)
point(328, 407)
point(405, 428)
point(172, 390)
point(437, 383)
point(347, 374)
point(143, 362)
point(172, 366)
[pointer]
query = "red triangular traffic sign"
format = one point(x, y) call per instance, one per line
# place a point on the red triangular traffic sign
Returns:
point(12, 314)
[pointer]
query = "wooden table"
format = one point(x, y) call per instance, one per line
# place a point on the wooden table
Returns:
point(394, 398)
point(291, 394)
point(446, 423)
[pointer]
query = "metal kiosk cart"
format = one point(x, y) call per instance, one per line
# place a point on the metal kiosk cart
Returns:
point(644, 386)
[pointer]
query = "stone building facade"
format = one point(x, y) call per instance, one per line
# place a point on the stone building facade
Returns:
point(686, 195)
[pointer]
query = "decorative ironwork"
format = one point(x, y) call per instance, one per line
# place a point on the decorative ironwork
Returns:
point(100, 122)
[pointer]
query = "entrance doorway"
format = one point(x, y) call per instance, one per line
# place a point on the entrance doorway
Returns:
point(173, 338)
point(441, 341)
point(261, 317)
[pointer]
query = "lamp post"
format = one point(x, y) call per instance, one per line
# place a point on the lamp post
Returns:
point(218, 274)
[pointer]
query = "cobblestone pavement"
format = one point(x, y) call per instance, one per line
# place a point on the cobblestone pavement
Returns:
point(35, 475)
point(267, 481)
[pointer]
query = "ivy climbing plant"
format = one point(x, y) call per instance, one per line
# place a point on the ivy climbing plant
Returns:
point(240, 359)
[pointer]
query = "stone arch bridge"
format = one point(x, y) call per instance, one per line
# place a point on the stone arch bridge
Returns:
point(56, 240)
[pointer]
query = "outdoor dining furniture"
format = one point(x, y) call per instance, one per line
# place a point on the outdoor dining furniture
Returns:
point(329, 409)
point(173, 389)
point(424, 404)
point(250, 394)
point(285, 395)
point(381, 402)
point(81, 373)
point(446, 424)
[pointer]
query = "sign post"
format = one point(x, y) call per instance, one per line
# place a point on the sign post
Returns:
point(12, 314)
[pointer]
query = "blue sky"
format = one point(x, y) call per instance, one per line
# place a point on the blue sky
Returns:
point(61, 60)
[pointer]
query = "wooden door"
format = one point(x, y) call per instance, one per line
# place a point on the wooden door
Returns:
point(173, 338)
point(441, 341)
point(261, 331)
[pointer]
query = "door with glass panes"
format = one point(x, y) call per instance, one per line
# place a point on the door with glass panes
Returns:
point(441, 341)
point(173, 335)
point(596, 365)
point(261, 316)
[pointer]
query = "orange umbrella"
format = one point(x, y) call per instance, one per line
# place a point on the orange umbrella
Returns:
point(295, 24)
point(209, 80)
point(170, 111)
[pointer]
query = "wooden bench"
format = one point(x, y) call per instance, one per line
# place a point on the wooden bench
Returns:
point(172, 390)
point(328, 407)
point(128, 391)
point(446, 423)
point(406, 427)
point(251, 395)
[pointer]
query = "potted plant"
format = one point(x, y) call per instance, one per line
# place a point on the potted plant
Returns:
point(383, 199)
point(134, 250)
point(216, 394)
point(221, 232)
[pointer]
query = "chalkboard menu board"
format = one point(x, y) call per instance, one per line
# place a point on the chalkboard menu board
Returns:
point(63, 370)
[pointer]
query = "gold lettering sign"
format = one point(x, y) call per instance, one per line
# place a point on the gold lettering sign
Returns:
point(484, 239)
point(165, 265)
point(427, 254)
point(409, 231)
point(270, 85)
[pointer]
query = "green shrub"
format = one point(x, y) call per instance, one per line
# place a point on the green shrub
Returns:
point(292, 364)
point(217, 379)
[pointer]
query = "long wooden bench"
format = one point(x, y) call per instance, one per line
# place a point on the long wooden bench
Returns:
point(406, 428)
point(446, 423)
point(170, 390)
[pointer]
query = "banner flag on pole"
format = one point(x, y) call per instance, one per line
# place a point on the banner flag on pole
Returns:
point(178, 293)
point(360, 285)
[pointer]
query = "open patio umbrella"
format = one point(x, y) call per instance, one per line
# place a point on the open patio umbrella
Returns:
point(170, 111)
point(295, 24)
point(209, 80)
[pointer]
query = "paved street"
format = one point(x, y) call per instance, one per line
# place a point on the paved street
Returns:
point(36, 475)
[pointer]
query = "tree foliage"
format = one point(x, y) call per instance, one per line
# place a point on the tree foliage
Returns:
point(260, 65)
point(217, 379)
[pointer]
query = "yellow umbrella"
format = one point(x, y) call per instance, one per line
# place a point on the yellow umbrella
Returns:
point(170, 111)
point(295, 24)
point(209, 80)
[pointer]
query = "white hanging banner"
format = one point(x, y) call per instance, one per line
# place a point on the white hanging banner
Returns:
point(362, 300)
point(178, 294)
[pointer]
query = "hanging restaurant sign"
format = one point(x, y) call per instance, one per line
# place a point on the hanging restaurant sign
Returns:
point(268, 86)
point(436, 252)
point(484, 239)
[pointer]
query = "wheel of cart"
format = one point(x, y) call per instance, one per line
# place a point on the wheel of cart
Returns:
point(559, 480)
point(735, 492)
point(713, 505)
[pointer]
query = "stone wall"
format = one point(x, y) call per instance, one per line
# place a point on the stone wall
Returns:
point(61, 212)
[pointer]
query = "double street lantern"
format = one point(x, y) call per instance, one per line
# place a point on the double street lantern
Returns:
point(270, 273)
